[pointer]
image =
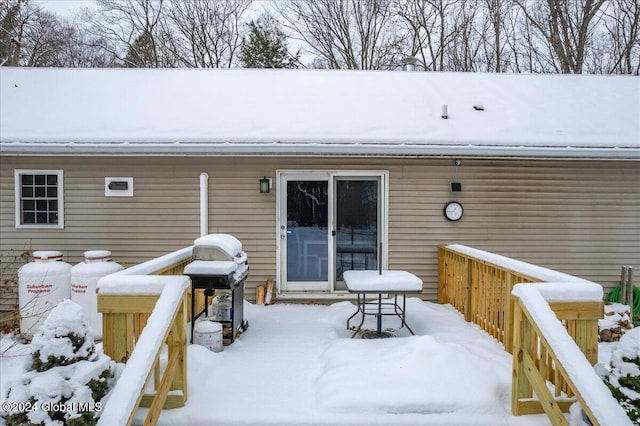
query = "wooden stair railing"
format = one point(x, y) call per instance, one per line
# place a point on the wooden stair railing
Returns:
point(165, 300)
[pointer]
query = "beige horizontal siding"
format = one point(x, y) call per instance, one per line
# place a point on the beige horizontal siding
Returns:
point(579, 217)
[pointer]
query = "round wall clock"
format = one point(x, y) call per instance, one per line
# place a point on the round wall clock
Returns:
point(453, 210)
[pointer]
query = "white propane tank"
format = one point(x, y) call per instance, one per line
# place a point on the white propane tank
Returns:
point(220, 308)
point(84, 280)
point(208, 334)
point(42, 284)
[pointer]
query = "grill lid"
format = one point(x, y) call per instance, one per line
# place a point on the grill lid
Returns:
point(223, 247)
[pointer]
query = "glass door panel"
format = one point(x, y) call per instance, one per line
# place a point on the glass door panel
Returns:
point(307, 237)
point(357, 213)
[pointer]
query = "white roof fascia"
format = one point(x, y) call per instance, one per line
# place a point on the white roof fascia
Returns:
point(311, 149)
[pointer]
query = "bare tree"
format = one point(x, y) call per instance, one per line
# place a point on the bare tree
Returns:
point(622, 34)
point(11, 32)
point(132, 28)
point(498, 53)
point(205, 34)
point(540, 36)
point(348, 34)
point(529, 49)
point(566, 26)
point(469, 30)
point(29, 36)
point(431, 30)
point(81, 49)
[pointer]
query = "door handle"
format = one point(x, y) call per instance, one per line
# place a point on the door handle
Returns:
point(333, 233)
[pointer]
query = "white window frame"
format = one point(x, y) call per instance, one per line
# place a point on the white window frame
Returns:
point(18, 173)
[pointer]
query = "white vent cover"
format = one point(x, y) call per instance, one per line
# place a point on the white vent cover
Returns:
point(118, 187)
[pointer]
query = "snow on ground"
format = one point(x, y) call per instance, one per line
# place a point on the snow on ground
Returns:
point(296, 364)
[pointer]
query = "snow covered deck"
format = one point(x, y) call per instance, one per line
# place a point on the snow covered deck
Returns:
point(296, 364)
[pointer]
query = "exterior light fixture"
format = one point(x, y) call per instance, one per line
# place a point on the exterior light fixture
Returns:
point(456, 186)
point(265, 185)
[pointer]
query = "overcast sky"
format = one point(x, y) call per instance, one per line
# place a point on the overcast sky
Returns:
point(64, 7)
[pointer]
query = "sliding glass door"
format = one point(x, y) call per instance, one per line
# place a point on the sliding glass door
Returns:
point(357, 212)
point(328, 223)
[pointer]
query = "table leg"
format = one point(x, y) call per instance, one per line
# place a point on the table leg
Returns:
point(355, 313)
point(404, 310)
point(379, 316)
point(400, 311)
point(361, 307)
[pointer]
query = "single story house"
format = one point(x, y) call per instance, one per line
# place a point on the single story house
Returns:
point(322, 171)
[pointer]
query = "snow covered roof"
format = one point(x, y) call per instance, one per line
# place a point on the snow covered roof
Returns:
point(248, 112)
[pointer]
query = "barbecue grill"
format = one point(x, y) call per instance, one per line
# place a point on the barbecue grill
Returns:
point(219, 267)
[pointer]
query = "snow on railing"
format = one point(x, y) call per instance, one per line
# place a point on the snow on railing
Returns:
point(481, 285)
point(588, 289)
point(160, 264)
point(541, 332)
point(143, 309)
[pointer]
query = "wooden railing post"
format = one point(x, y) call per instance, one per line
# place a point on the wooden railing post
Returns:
point(587, 339)
point(119, 313)
point(509, 325)
point(180, 336)
point(584, 316)
point(519, 383)
point(467, 278)
point(443, 296)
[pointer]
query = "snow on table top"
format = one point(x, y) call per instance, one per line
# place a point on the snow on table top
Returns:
point(210, 267)
point(389, 281)
point(311, 111)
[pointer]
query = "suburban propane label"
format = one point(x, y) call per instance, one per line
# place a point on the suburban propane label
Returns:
point(78, 288)
point(39, 288)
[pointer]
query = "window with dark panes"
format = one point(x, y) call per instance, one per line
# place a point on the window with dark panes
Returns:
point(40, 198)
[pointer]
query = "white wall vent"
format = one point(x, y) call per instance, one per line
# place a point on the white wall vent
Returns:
point(118, 187)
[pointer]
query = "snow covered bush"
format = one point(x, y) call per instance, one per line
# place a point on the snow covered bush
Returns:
point(624, 376)
point(67, 378)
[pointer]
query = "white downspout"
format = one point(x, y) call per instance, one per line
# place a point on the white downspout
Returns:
point(204, 204)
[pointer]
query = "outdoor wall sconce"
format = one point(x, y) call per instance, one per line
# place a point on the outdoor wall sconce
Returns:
point(265, 185)
point(456, 186)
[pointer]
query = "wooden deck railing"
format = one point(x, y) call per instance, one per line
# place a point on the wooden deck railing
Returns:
point(481, 290)
point(168, 265)
point(541, 366)
point(480, 285)
point(145, 308)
